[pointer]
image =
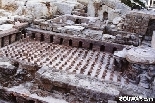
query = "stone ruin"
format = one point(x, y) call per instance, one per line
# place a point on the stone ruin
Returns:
point(75, 51)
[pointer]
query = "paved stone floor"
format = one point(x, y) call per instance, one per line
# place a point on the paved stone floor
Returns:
point(74, 60)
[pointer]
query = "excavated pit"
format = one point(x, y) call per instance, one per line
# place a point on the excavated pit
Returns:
point(87, 66)
point(47, 72)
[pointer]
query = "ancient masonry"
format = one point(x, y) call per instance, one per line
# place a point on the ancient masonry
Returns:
point(61, 54)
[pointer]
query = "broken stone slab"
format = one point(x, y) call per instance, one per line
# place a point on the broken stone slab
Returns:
point(121, 54)
point(37, 26)
point(138, 55)
point(38, 21)
point(69, 22)
point(111, 101)
point(107, 37)
point(112, 26)
point(72, 27)
point(8, 32)
point(83, 86)
point(142, 55)
point(20, 25)
point(22, 19)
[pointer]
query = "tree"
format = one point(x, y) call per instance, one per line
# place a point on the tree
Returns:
point(137, 4)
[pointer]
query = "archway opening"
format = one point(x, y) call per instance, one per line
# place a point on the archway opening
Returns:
point(90, 46)
point(78, 21)
point(51, 38)
point(23, 31)
point(31, 101)
point(114, 49)
point(85, 9)
point(151, 27)
point(33, 35)
point(105, 15)
point(42, 37)
point(80, 44)
point(102, 48)
point(17, 37)
point(70, 42)
point(61, 41)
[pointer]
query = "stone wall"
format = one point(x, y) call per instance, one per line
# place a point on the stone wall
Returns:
point(0, 3)
point(126, 38)
point(72, 85)
point(136, 23)
point(129, 39)
point(59, 38)
point(6, 40)
point(114, 8)
point(13, 38)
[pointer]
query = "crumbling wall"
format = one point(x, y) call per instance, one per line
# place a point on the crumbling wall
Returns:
point(136, 23)
point(98, 8)
point(36, 9)
point(6, 40)
point(13, 38)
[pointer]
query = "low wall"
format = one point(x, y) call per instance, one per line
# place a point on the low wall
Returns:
point(11, 38)
point(64, 39)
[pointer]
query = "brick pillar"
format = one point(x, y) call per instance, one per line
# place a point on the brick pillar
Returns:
point(47, 38)
point(13, 38)
point(96, 46)
point(6, 40)
point(108, 47)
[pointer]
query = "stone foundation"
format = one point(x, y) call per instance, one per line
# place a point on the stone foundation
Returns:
point(59, 38)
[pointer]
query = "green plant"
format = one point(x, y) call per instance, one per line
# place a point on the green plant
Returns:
point(137, 5)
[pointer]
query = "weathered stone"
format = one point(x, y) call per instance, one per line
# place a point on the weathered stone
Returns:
point(144, 55)
point(7, 69)
point(117, 20)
